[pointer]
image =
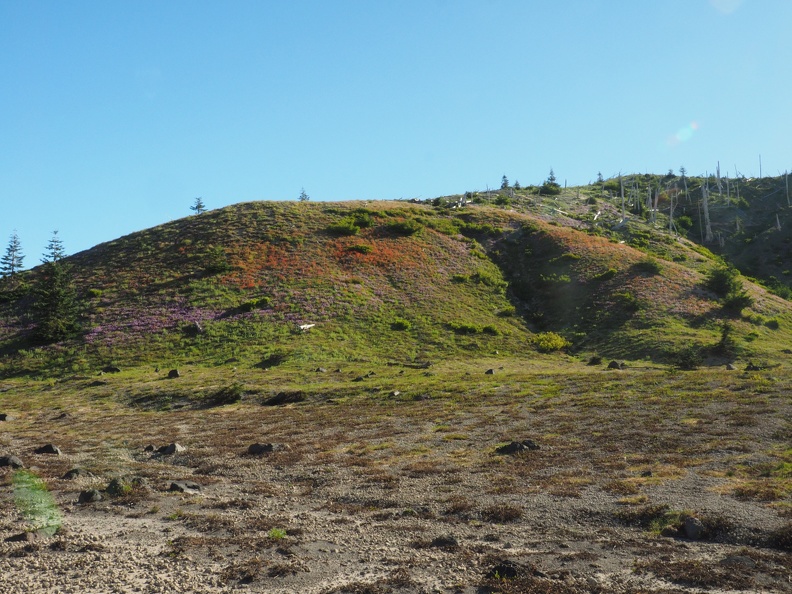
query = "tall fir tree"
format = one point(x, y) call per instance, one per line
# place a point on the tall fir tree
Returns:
point(11, 262)
point(198, 206)
point(56, 306)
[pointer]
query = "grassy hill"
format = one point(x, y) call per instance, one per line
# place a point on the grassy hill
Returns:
point(409, 283)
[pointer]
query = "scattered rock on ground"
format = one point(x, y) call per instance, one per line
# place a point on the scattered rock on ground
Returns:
point(489, 372)
point(74, 473)
point(11, 461)
point(693, 528)
point(171, 449)
point(5, 417)
point(89, 496)
point(285, 398)
point(730, 366)
point(516, 447)
point(185, 486)
point(48, 449)
point(445, 542)
point(738, 562)
point(257, 449)
point(111, 369)
point(615, 365)
point(173, 374)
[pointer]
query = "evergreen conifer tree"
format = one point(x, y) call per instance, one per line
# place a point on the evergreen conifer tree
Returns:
point(11, 262)
point(198, 206)
point(56, 305)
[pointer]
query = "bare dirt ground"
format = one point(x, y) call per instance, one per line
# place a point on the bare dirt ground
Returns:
point(407, 494)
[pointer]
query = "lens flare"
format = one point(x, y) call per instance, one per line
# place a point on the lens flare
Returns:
point(683, 134)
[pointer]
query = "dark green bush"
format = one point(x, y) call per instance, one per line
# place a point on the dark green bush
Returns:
point(688, 357)
point(400, 325)
point(464, 328)
point(649, 266)
point(608, 274)
point(253, 304)
point(737, 301)
point(345, 226)
point(723, 280)
point(360, 248)
point(406, 227)
point(627, 301)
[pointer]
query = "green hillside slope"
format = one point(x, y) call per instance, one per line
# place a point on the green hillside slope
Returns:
point(389, 281)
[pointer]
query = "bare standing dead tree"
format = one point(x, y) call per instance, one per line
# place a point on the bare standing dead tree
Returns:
point(708, 237)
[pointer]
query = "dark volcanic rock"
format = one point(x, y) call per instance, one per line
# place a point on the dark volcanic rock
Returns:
point(11, 461)
point(517, 447)
point(171, 449)
point(489, 372)
point(48, 449)
point(74, 473)
point(5, 417)
point(258, 449)
point(285, 398)
point(89, 496)
point(173, 374)
point(185, 486)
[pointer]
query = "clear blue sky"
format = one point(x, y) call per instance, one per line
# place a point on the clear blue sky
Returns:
point(115, 115)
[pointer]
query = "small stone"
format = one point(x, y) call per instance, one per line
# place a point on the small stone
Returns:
point(5, 417)
point(395, 393)
point(258, 449)
point(173, 374)
point(111, 369)
point(738, 562)
point(516, 447)
point(11, 461)
point(149, 448)
point(445, 542)
point(171, 449)
point(321, 370)
point(489, 372)
point(48, 449)
point(185, 486)
point(285, 398)
point(646, 473)
point(74, 473)
point(693, 528)
point(615, 365)
point(89, 496)
point(731, 366)
point(359, 378)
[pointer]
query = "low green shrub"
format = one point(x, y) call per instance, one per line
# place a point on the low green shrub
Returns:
point(400, 325)
point(548, 342)
point(772, 323)
point(649, 266)
point(687, 358)
point(360, 248)
point(345, 226)
point(608, 274)
point(406, 227)
point(736, 301)
point(464, 328)
point(253, 304)
point(723, 281)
